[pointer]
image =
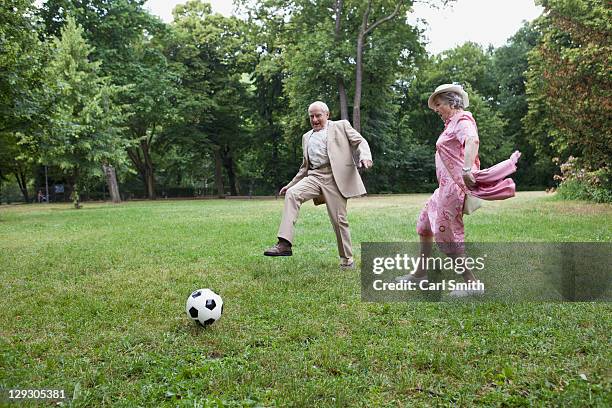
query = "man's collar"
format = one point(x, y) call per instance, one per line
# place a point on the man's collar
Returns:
point(325, 128)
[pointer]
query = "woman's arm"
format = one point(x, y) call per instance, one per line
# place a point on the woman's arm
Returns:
point(471, 150)
point(470, 153)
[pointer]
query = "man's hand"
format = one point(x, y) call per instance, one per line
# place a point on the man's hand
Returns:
point(365, 164)
point(283, 190)
point(468, 179)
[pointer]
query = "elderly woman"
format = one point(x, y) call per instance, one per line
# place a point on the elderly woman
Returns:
point(458, 172)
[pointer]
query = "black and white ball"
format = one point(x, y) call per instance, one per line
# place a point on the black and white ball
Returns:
point(204, 306)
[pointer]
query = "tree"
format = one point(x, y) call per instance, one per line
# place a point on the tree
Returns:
point(82, 131)
point(568, 82)
point(152, 98)
point(317, 46)
point(269, 108)
point(16, 160)
point(19, 61)
point(467, 65)
point(370, 40)
point(118, 32)
point(470, 64)
point(272, 155)
point(510, 64)
point(22, 58)
point(216, 93)
point(109, 26)
point(365, 29)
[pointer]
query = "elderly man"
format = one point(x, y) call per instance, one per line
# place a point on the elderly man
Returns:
point(328, 175)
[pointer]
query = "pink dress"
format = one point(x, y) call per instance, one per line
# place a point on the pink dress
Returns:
point(442, 215)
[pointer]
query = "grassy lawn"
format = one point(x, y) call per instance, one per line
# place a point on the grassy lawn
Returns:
point(93, 303)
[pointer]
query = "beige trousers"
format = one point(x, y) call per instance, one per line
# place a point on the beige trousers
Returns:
point(316, 183)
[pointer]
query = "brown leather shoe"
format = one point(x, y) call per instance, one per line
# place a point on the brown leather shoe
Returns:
point(280, 249)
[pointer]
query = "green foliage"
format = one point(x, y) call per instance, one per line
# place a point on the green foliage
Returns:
point(16, 160)
point(9, 152)
point(22, 58)
point(495, 145)
point(82, 130)
point(273, 157)
point(467, 64)
point(569, 88)
point(315, 60)
point(151, 96)
point(10, 193)
point(212, 55)
point(123, 36)
point(210, 97)
point(275, 150)
point(510, 64)
point(153, 90)
point(109, 26)
point(577, 183)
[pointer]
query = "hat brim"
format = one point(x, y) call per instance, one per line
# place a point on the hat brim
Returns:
point(449, 88)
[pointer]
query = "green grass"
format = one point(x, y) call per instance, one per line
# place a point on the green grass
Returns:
point(93, 302)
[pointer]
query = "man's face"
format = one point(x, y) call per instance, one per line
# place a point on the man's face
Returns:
point(318, 117)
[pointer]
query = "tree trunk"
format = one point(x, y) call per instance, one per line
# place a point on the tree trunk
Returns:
point(364, 30)
point(343, 99)
point(275, 142)
point(76, 197)
point(144, 165)
point(358, 79)
point(111, 182)
point(228, 163)
point(339, 80)
point(236, 185)
point(149, 171)
point(338, 9)
point(219, 172)
point(22, 180)
point(151, 185)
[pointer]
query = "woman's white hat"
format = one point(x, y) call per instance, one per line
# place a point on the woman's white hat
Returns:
point(458, 89)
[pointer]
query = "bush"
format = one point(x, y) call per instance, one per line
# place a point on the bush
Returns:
point(10, 193)
point(578, 183)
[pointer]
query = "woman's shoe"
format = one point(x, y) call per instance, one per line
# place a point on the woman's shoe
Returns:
point(461, 293)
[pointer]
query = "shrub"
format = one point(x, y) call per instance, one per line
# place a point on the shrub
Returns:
point(578, 183)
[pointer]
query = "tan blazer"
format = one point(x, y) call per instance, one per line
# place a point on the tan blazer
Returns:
point(342, 142)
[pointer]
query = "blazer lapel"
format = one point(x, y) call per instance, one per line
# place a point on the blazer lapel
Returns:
point(331, 132)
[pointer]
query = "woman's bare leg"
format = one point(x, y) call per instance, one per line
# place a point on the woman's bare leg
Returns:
point(426, 247)
point(420, 273)
point(468, 275)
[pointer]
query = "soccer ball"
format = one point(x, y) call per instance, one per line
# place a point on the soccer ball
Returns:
point(204, 306)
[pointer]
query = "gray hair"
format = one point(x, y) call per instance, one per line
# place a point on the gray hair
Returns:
point(452, 99)
point(320, 104)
